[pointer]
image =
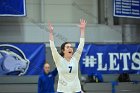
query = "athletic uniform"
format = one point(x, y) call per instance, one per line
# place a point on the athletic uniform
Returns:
point(68, 71)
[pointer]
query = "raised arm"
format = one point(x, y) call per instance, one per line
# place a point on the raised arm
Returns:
point(55, 54)
point(79, 50)
point(82, 28)
point(50, 28)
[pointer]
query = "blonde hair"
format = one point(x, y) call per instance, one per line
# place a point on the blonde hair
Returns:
point(46, 63)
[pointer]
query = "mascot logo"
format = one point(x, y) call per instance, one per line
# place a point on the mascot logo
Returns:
point(12, 60)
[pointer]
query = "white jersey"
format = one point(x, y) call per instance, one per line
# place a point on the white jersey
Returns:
point(68, 71)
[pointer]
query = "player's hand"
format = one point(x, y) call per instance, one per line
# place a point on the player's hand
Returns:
point(82, 24)
point(50, 27)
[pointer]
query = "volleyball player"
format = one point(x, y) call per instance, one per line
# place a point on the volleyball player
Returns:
point(67, 62)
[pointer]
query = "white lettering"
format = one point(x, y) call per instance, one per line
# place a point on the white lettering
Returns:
point(124, 56)
point(136, 60)
point(113, 63)
point(100, 63)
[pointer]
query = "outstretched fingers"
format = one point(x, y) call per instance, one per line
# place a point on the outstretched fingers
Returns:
point(83, 21)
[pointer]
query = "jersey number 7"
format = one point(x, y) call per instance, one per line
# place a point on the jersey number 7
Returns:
point(70, 67)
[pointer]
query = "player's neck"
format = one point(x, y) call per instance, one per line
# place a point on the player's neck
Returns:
point(46, 73)
point(67, 58)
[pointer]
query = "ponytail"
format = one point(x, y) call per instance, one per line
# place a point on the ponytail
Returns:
point(62, 54)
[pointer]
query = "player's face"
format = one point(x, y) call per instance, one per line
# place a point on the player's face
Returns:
point(68, 51)
point(47, 68)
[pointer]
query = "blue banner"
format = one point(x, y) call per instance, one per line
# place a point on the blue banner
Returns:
point(22, 59)
point(12, 8)
point(110, 59)
point(127, 8)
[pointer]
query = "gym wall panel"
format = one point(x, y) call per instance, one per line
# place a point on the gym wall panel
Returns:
point(39, 33)
point(11, 33)
point(33, 11)
point(70, 11)
point(69, 1)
